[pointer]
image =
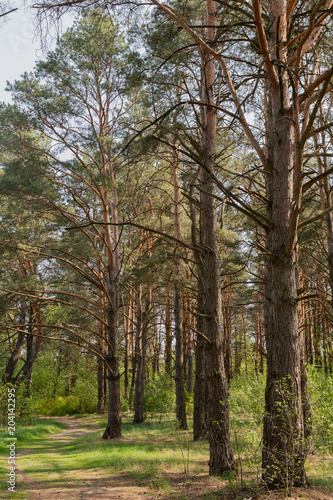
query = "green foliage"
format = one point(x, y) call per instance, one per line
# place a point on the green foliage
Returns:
point(159, 396)
point(189, 402)
point(39, 427)
point(24, 405)
point(64, 382)
point(66, 405)
point(321, 395)
point(247, 398)
point(3, 404)
point(246, 403)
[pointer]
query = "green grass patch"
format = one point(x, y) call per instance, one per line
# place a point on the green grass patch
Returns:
point(27, 436)
point(156, 455)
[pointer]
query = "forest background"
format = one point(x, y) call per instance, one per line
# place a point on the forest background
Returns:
point(166, 225)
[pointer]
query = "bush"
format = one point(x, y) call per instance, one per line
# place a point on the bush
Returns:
point(247, 397)
point(321, 397)
point(65, 405)
point(159, 395)
point(24, 406)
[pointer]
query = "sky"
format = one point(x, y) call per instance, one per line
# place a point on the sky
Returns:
point(20, 47)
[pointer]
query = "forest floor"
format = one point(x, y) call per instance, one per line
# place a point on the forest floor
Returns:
point(151, 461)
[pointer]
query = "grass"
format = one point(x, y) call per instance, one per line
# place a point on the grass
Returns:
point(147, 455)
point(153, 455)
point(143, 452)
point(158, 457)
point(28, 437)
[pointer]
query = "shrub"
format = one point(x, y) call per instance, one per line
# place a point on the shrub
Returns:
point(159, 395)
point(247, 393)
point(65, 405)
point(321, 397)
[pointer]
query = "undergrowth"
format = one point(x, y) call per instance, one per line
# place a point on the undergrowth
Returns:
point(156, 454)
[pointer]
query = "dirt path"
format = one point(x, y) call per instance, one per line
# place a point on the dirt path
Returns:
point(97, 484)
point(92, 484)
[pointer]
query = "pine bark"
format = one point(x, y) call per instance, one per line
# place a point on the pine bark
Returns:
point(17, 350)
point(100, 386)
point(221, 457)
point(178, 307)
point(283, 443)
point(226, 297)
point(179, 366)
point(200, 394)
point(113, 429)
point(101, 369)
point(142, 332)
point(168, 338)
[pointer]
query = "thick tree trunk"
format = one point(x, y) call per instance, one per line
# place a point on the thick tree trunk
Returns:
point(16, 351)
point(112, 268)
point(101, 400)
point(326, 204)
point(226, 297)
point(101, 369)
point(211, 412)
point(113, 429)
point(142, 326)
point(168, 338)
point(189, 381)
point(32, 350)
point(127, 346)
point(178, 307)
point(140, 369)
point(28, 367)
point(155, 348)
point(283, 439)
point(179, 368)
point(200, 402)
point(221, 457)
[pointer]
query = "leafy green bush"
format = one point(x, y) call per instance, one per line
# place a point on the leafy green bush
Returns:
point(246, 403)
point(24, 405)
point(189, 402)
point(321, 397)
point(159, 395)
point(246, 400)
point(125, 404)
point(65, 405)
point(3, 405)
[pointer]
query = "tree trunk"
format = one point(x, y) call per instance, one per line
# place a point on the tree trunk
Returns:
point(221, 457)
point(142, 326)
point(113, 429)
point(178, 307)
point(127, 318)
point(283, 456)
point(101, 396)
point(16, 351)
point(189, 382)
point(283, 447)
point(168, 347)
point(101, 370)
point(28, 367)
point(200, 403)
point(226, 297)
point(134, 349)
point(179, 368)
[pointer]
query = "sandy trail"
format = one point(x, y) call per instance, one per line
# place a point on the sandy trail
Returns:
point(97, 484)
point(92, 484)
